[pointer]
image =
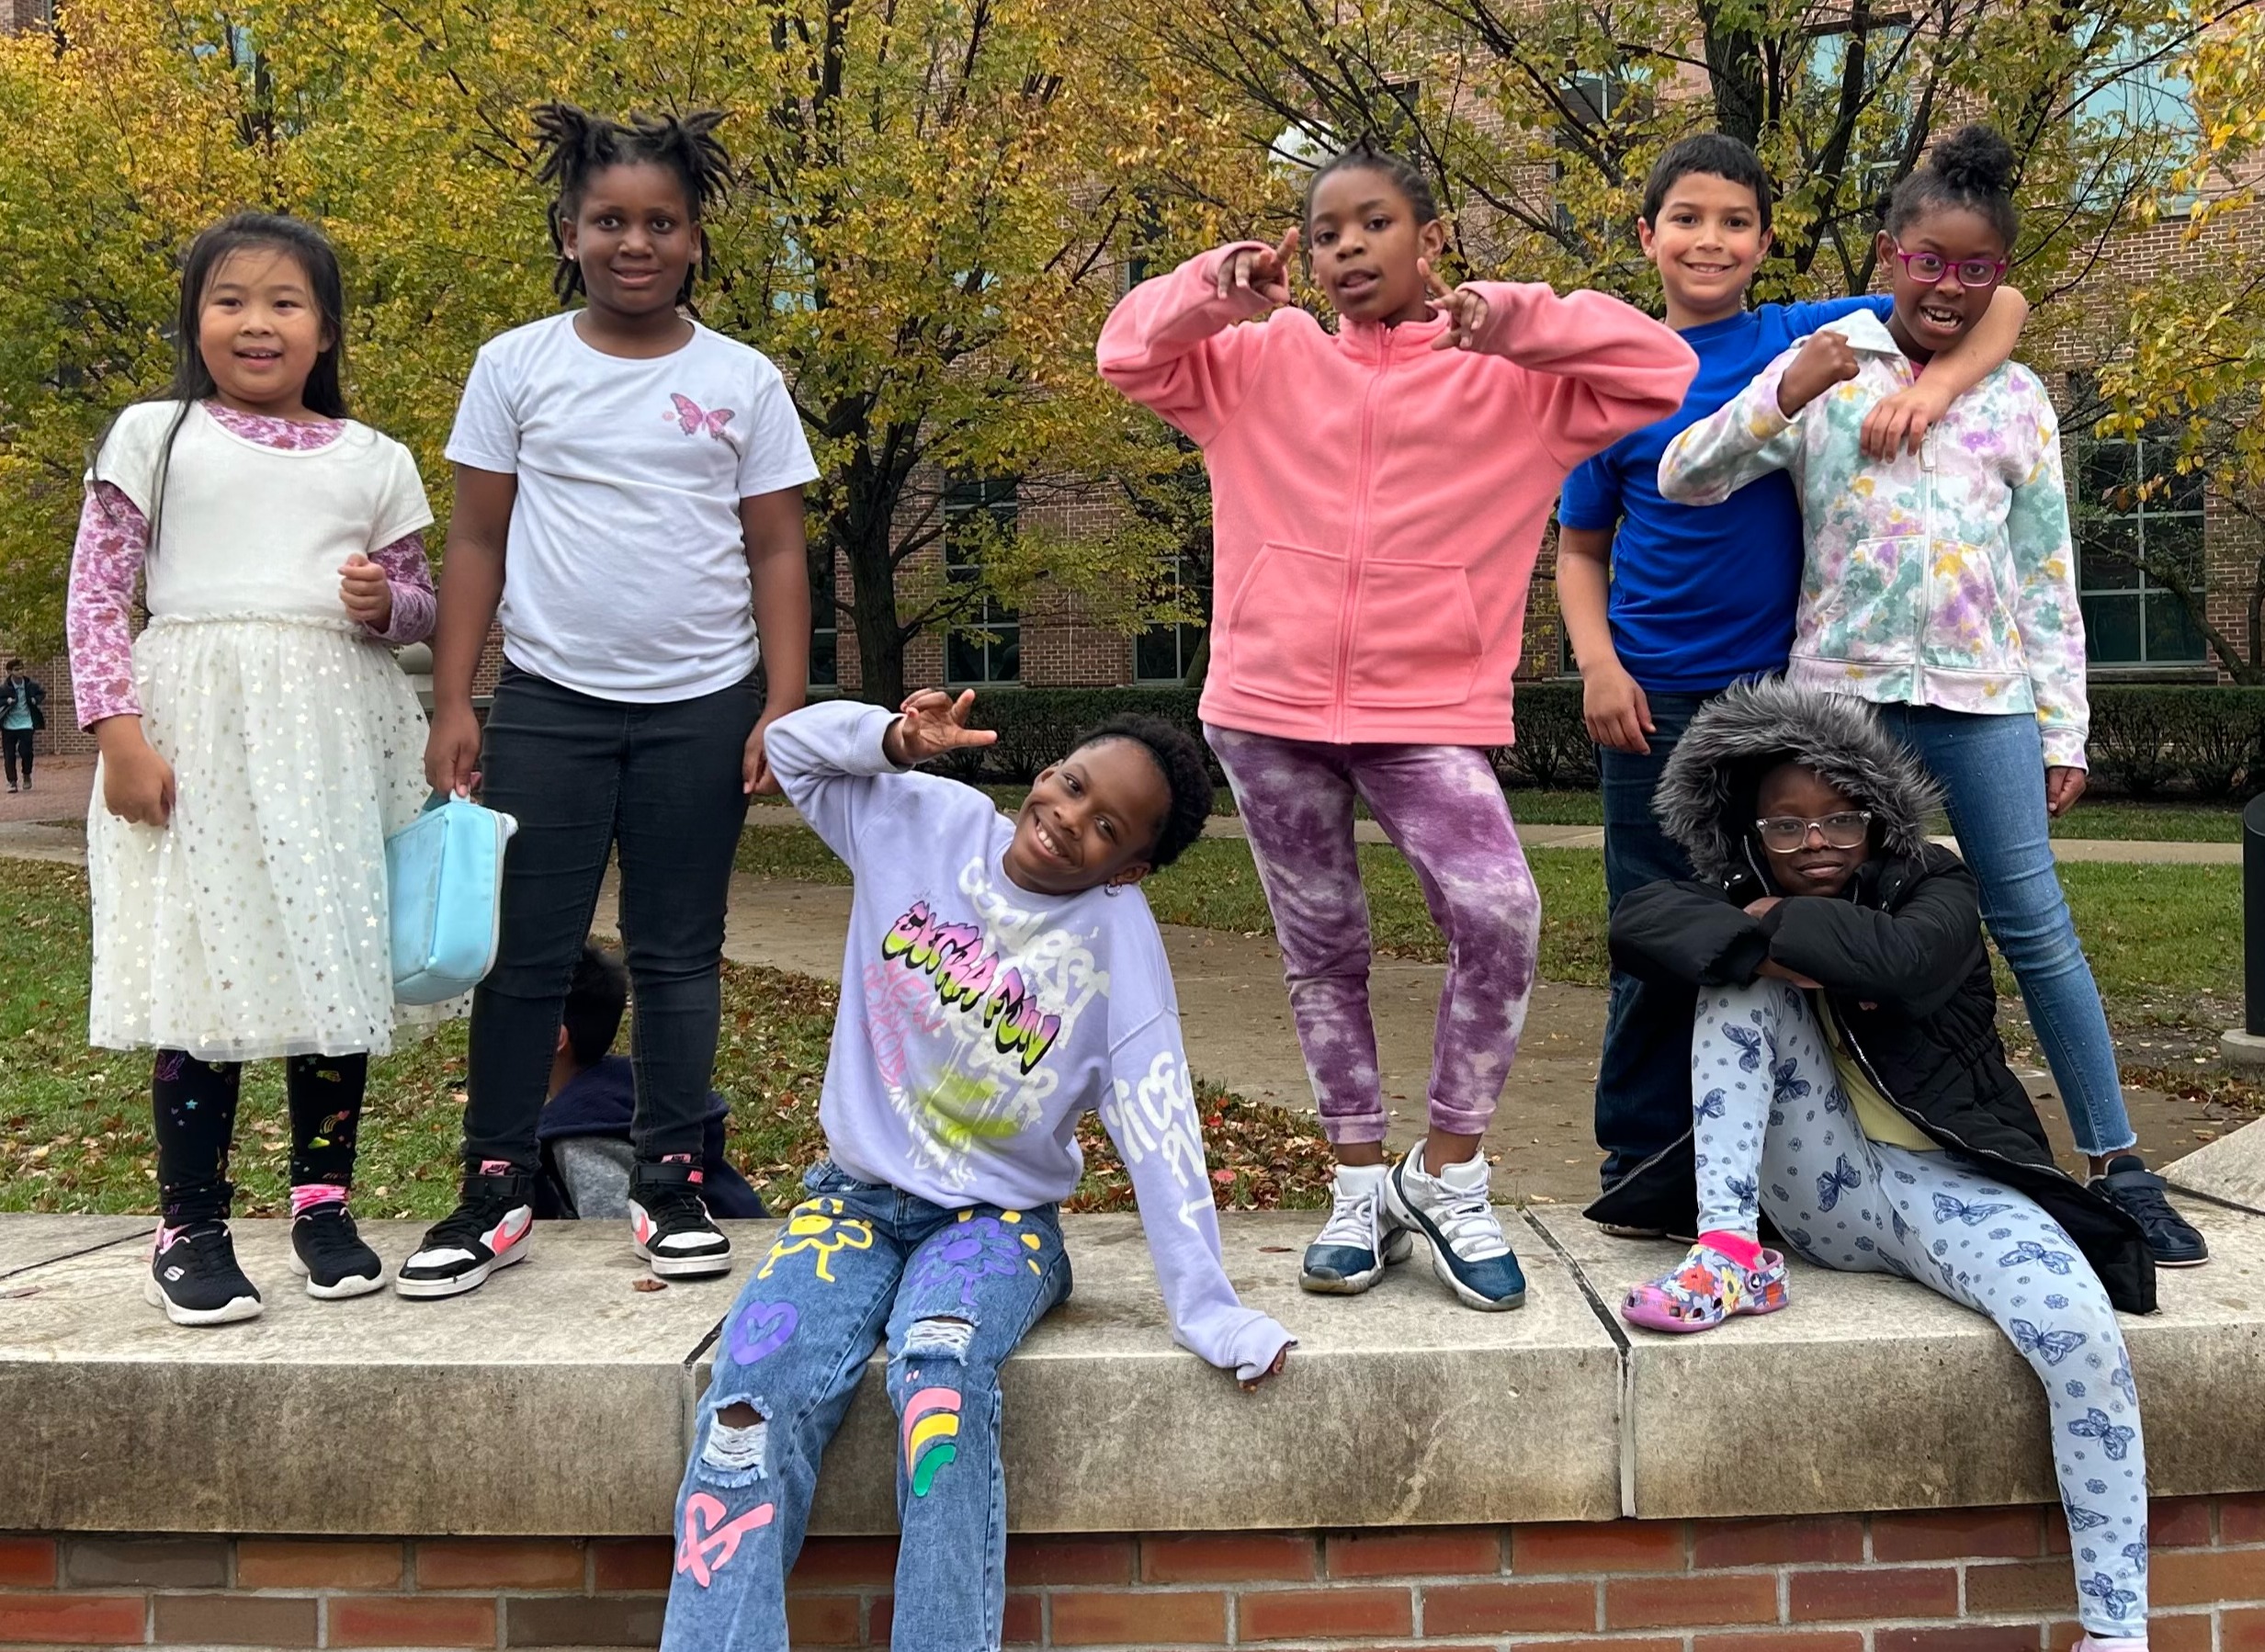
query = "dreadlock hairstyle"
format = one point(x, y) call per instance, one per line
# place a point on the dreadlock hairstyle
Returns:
point(1974, 168)
point(1396, 169)
point(296, 239)
point(577, 145)
point(1187, 776)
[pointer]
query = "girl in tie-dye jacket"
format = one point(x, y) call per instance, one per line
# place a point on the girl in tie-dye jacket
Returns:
point(1942, 587)
point(1945, 578)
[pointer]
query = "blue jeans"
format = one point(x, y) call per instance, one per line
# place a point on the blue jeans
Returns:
point(953, 1291)
point(1992, 774)
point(1643, 1078)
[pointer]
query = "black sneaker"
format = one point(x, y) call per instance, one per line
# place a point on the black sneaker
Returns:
point(328, 1251)
point(2138, 1191)
point(488, 1229)
point(194, 1277)
point(669, 1224)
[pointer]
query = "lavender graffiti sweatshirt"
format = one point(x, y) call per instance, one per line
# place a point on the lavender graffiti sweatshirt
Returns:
point(979, 1021)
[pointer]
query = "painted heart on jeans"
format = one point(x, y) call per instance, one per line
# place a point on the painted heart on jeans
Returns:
point(704, 1553)
point(761, 1330)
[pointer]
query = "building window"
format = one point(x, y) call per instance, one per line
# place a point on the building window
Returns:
point(1883, 115)
point(988, 647)
point(825, 633)
point(1162, 653)
point(2139, 114)
point(2124, 542)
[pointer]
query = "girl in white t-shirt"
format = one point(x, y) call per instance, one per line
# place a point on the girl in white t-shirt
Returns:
point(629, 503)
point(257, 744)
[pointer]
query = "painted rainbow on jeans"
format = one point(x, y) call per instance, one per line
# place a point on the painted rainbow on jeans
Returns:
point(930, 1424)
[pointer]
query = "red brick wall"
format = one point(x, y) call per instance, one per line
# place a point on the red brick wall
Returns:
point(1967, 1580)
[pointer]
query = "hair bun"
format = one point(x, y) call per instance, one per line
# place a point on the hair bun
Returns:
point(1974, 160)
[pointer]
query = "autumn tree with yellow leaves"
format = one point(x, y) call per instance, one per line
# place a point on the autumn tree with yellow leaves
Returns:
point(937, 200)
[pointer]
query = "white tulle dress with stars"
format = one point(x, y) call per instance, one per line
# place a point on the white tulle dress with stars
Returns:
point(254, 922)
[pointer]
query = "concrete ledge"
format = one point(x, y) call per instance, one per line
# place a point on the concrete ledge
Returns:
point(1872, 1393)
point(558, 1401)
point(2230, 1169)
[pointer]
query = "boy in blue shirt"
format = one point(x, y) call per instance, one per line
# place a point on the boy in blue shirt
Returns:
point(1667, 605)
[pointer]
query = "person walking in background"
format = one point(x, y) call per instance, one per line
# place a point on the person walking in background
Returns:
point(23, 713)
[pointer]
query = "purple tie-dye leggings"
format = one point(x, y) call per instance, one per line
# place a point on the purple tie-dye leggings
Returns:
point(1444, 809)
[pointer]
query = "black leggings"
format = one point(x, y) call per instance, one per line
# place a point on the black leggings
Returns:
point(194, 1104)
point(659, 786)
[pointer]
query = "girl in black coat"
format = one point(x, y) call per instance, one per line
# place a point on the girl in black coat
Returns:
point(1848, 1080)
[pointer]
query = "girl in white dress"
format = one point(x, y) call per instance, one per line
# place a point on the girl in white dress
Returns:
point(259, 742)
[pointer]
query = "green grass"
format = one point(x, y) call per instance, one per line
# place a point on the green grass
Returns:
point(75, 1130)
point(2126, 820)
point(2165, 940)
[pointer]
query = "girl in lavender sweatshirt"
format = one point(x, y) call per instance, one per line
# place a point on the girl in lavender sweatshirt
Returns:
point(1002, 978)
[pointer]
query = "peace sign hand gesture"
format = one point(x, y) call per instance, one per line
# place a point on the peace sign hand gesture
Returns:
point(933, 724)
point(1465, 308)
point(1264, 272)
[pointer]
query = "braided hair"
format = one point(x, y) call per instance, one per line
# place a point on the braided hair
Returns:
point(1187, 776)
point(577, 145)
point(1396, 169)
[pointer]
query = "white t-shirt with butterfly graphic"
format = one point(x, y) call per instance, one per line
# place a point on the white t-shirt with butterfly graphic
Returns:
point(626, 575)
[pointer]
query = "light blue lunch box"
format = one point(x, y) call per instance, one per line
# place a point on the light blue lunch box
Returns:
point(443, 875)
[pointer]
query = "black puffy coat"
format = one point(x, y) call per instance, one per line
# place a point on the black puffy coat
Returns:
point(1899, 952)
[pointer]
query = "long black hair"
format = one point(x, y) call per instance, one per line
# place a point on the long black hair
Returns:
point(295, 238)
point(577, 145)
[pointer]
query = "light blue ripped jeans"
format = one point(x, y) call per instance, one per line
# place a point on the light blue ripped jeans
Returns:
point(953, 1291)
point(1774, 1131)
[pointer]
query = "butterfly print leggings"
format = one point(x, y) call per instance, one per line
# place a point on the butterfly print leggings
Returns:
point(1774, 1132)
point(1443, 808)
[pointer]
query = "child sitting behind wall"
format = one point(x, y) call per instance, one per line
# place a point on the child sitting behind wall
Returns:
point(1849, 1083)
point(585, 1132)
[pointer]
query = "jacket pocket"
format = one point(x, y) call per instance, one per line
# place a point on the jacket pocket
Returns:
point(1415, 636)
point(1282, 631)
point(1871, 609)
point(1970, 623)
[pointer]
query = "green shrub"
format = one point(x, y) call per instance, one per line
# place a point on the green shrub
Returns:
point(2146, 739)
point(1554, 748)
point(2149, 738)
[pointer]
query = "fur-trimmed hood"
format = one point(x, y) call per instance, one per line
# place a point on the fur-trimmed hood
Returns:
point(1706, 800)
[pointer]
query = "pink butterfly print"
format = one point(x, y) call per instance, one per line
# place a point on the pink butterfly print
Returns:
point(689, 417)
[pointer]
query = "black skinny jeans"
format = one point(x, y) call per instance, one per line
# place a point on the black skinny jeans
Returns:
point(661, 782)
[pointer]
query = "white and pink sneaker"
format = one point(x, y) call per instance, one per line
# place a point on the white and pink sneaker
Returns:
point(489, 1229)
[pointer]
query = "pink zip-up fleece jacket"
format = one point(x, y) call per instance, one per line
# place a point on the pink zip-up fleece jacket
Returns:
point(1377, 504)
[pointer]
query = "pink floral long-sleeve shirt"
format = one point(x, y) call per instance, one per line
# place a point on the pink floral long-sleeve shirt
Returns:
point(113, 538)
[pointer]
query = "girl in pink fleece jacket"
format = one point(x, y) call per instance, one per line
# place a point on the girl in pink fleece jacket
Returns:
point(1378, 495)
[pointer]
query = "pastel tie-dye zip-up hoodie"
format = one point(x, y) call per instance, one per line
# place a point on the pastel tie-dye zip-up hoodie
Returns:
point(1945, 578)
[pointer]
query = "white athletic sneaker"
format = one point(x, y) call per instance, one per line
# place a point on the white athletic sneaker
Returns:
point(1359, 1241)
point(1452, 1212)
